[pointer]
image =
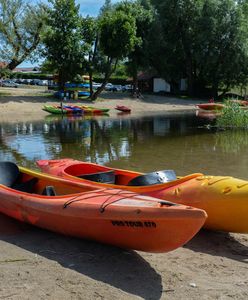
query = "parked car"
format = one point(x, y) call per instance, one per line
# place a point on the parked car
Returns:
point(117, 88)
point(9, 83)
point(96, 85)
point(127, 88)
point(108, 86)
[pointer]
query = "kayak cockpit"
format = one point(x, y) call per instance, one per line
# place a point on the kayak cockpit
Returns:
point(18, 179)
point(107, 175)
point(11, 177)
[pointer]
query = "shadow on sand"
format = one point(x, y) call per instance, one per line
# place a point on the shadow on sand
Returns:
point(220, 244)
point(123, 269)
point(30, 99)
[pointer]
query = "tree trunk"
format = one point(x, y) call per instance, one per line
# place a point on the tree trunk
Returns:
point(91, 83)
point(13, 64)
point(106, 79)
point(135, 80)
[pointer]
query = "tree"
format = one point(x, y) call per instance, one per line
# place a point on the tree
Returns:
point(204, 41)
point(21, 25)
point(63, 41)
point(90, 36)
point(138, 59)
point(117, 38)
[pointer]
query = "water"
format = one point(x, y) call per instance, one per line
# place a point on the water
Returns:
point(175, 141)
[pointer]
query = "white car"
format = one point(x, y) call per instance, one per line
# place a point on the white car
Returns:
point(9, 83)
point(96, 85)
point(108, 86)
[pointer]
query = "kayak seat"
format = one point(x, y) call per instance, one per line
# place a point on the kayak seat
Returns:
point(26, 186)
point(153, 178)
point(49, 191)
point(104, 177)
point(10, 175)
point(9, 172)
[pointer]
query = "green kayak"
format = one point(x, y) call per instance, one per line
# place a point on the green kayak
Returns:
point(54, 110)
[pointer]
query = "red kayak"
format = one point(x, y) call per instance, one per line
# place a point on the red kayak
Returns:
point(123, 108)
point(211, 106)
point(239, 102)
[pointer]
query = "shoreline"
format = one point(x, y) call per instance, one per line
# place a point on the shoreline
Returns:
point(27, 104)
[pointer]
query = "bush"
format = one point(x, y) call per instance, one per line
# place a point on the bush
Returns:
point(233, 116)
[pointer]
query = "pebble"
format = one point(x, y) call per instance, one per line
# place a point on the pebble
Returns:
point(192, 284)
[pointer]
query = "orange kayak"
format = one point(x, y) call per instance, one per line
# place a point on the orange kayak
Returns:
point(225, 199)
point(211, 106)
point(112, 216)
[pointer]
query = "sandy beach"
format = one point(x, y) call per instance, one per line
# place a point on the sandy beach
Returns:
point(38, 264)
point(27, 103)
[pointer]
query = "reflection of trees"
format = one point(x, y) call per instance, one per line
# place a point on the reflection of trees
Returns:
point(100, 140)
point(232, 141)
point(9, 151)
point(95, 140)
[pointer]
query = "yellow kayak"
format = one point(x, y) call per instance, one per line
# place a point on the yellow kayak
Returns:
point(225, 199)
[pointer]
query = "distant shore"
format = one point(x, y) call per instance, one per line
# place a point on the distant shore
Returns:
point(27, 103)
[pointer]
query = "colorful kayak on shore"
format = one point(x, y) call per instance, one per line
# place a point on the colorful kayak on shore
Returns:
point(65, 109)
point(74, 109)
point(120, 218)
point(224, 198)
point(213, 106)
point(93, 110)
point(123, 108)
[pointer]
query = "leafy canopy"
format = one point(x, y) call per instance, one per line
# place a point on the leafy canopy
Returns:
point(63, 43)
point(21, 25)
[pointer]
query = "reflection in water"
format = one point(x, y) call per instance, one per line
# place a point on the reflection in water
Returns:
point(176, 141)
point(234, 141)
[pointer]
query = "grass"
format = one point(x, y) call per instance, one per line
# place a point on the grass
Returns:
point(233, 116)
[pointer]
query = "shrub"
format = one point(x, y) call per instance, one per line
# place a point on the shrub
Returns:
point(233, 116)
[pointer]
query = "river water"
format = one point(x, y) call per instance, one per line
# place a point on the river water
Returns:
point(180, 141)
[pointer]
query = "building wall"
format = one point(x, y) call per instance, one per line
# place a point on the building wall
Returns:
point(160, 85)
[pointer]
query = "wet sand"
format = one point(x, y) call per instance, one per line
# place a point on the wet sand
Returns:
point(38, 264)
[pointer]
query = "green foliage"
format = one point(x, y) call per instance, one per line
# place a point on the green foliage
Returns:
point(204, 41)
point(233, 116)
point(117, 37)
point(4, 73)
point(64, 47)
point(21, 25)
point(117, 34)
point(139, 58)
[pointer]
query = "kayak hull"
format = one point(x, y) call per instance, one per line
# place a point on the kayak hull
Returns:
point(211, 106)
point(116, 217)
point(66, 110)
point(123, 108)
point(225, 199)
